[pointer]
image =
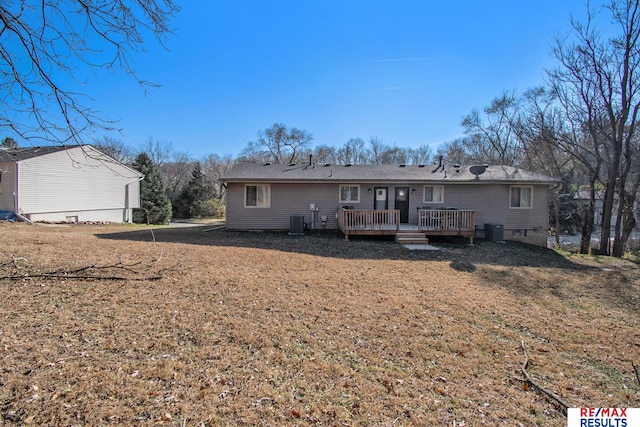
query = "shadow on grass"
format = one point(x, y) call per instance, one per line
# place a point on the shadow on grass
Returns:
point(456, 251)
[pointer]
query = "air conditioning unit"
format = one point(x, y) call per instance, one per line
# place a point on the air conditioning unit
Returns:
point(296, 226)
point(494, 232)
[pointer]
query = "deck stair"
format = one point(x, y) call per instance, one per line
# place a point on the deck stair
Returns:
point(411, 238)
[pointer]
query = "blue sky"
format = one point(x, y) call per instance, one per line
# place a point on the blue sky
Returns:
point(404, 71)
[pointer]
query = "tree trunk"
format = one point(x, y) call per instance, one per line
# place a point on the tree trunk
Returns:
point(609, 197)
point(587, 222)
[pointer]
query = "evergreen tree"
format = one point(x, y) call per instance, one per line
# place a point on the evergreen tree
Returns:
point(195, 198)
point(154, 203)
point(9, 143)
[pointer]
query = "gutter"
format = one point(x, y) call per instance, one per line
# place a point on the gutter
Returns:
point(127, 203)
point(16, 197)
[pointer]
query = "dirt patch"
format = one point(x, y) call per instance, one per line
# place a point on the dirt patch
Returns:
point(269, 329)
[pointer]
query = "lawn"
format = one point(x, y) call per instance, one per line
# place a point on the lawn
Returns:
point(131, 325)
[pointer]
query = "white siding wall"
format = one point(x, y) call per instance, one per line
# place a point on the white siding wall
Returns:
point(79, 182)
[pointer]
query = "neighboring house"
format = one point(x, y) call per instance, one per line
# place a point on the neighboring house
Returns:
point(67, 183)
point(384, 199)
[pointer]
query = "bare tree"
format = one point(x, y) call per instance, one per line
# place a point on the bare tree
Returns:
point(420, 155)
point(46, 44)
point(160, 151)
point(176, 172)
point(541, 129)
point(354, 152)
point(493, 135)
point(279, 144)
point(598, 83)
point(116, 149)
point(394, 156)
point(325, 154)
point(376, 148)
point(213, 167)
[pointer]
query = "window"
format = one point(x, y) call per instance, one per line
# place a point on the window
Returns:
point(433, 194)
point(521, 197)
point(349, 194)
point(257, 196)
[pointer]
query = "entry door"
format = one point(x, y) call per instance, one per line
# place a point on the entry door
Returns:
point(381, 200)
point(402, 203)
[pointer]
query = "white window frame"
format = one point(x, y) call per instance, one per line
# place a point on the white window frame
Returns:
point(258, 205)
point(340, 200)
point(520, 188)
point(424, 194)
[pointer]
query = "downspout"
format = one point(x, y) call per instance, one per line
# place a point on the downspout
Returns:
point(127, 202)
point(16, 197)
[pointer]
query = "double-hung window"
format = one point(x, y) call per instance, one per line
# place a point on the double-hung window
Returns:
point(521, 197)
point(257, 196)
point(349, 193)
point(433, 194)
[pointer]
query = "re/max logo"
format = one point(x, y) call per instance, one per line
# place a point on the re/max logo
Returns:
point(603, 412)
point(603, 417)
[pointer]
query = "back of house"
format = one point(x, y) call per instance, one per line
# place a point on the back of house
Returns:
point(508, 200)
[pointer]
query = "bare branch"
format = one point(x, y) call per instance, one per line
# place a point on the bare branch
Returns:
point(41, 42)
point(554, 397)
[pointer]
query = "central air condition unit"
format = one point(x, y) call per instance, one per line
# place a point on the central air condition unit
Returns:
point(494, 232)
point(296, 227)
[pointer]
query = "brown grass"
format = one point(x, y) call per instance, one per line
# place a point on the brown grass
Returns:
point(272, 330)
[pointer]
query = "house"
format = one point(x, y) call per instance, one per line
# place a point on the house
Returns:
point(384, 199)
point(67, 183)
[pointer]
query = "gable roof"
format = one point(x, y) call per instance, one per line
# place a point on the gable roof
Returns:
point(266, 172)
point(18, 154)
point(92, 157)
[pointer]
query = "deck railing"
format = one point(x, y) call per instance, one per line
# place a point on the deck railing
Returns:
point(445, 221)
point(367, 221)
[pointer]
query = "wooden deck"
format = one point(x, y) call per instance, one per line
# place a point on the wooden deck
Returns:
point(432, 222)
point(368, 222)
point(436, 222)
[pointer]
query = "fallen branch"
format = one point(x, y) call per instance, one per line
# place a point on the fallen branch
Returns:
point(554, 397)
point(635, 369)
point(88, 272)
point(78, 277)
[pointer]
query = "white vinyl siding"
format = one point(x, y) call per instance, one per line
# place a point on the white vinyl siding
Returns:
point(78, 181)
point(433, 194)
point(350, 193)
point(257, 196)
point(521, 197)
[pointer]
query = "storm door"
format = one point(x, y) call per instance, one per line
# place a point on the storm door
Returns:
point(402, 203)
point(381, 199)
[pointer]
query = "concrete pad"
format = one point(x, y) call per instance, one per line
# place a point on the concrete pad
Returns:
point(420, 247)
